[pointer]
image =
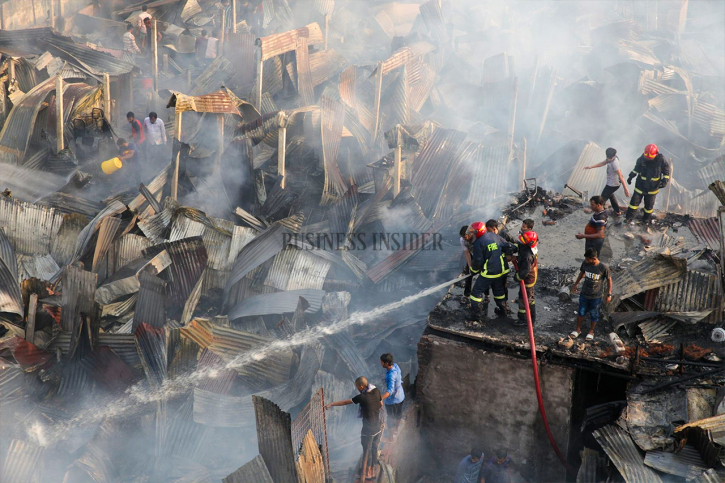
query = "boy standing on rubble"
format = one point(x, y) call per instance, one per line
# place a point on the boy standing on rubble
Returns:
point(371, 404)
point(594, 273)
point(394, 395)
point(527, 269)
point(466, 245)
point(594, 231)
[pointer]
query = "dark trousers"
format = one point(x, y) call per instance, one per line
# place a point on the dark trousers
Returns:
point(608, 194)
point(531, 296)
point(497, 285)
point(649, 204)
point(467, 282)
point(370, 443)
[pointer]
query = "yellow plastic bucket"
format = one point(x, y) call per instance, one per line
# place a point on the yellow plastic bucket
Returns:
point(111, 165)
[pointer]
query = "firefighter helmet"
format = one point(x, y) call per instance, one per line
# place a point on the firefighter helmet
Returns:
point(650, 151)
point(529, 238)
point(478, 229)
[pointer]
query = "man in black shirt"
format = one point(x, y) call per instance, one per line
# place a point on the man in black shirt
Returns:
point(594, 273)
point(371, 404)
point(594, 231)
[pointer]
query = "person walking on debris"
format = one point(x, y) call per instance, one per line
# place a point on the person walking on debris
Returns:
point(142, 32)
point(128, 153)
point(489, 252)
point(156, 134)
point(615, 178)
point(528, 269)
point(466, 246)
point(498, 468)
point(653, 173)
point(394, 395)
point(469, 469)
point(593, 272)
point(594, 232)
point(371, 404)
point(138, 136)
point(129, 43)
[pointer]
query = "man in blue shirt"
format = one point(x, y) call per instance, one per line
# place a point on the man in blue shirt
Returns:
point(394, 395)
point(469, 468)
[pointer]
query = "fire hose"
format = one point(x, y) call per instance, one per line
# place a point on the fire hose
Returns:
point(525, 297)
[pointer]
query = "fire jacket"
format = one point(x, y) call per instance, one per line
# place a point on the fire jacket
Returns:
point(528, 262)
point(488, 257)
point(652, 174)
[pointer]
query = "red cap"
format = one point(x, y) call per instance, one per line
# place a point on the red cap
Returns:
point(529, 238)
point(650, 151)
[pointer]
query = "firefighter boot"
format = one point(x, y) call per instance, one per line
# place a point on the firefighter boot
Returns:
point(476, 310)
point(501, 309)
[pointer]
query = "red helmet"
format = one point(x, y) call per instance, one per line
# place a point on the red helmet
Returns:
point(529, 238)
point(478, 229)
point(650, 151)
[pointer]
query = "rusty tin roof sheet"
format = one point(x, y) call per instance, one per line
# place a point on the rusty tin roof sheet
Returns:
point(217, 102)
point(707, 231)
point(276, 44)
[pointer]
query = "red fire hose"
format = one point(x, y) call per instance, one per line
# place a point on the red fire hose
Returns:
point(536, 380)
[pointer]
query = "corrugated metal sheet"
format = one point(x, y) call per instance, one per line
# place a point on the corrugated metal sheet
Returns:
point(234, 347)
point(707, 436)
point(28, 356)
point(222, 411)
point(185, 439)
point(125, 346)
point(332, 121)
point(242, 44)
point(304, 77)
point(710, 118)
point(298, 389)
point(106, 234)
point(686, 463)
point(154, 227)
point(276, 44)
point(84, 239)
point(23, 462)
point(217, 102)
point(294, 269)
point(326, 64)
point(152, 343)
point(637, 52)
point(405, 54)
point(198, 330)
point(254, 470)
point(694, 292)
point(256, 252)
point(275, 440)
point(433, 166)
point(188, 261)
point(11, 300)
point(97, 464)
point(590, 180)
point(348, 86)
point(648, 273)
point(156, 187)
point(341, 421)
point(20, 123)
point(624, 454)
point(706, 231)
point(30, 228)
point(42, 267)
point(709, 476)
point(489, 169)
point(151, 303)
point(216, 377)
point(12, 382)
point(79, 289)
point(277, 303)
point(63, 242)
point(7, 254)
point(217, 241)
point(657, 331)
point(432, 15)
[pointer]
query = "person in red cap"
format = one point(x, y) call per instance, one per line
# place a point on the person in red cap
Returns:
point(653, 173)
point(528, 269)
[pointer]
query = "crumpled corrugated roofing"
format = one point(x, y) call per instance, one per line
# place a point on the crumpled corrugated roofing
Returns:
point(624, 454)
point(274, 439)
point(276, 44)
point(297, 389)
point(23, 462)
point(277, 303)
point(648, 273)
point(707, 231)
point(686, 462)
point(695, 292)
point(217, 102)
point(254, 470)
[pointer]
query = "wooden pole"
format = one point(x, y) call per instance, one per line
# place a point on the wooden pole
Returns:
point(260, 79)
point(175, 176)
point(523, 165)
point(327, 28)
point(59, 112)
point(378, 93)
point(12, 68)
point(669, 186)
point(282, 147)
point(107, 96)
point(223, 32)
point(130, 90)
point(30, 326)
point(552, 86)
point(398, 161)
point(155, 46)
point(234, 16)
point(220, 141)
point(51, 12)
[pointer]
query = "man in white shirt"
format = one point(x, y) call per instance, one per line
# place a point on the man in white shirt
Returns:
point(142, 31)
point(155, 137)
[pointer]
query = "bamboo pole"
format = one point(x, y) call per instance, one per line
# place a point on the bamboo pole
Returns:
point(260, 79)
point(523, 164)
point(107, 96)
point(30, 326)
point(223, 32)
point(12, 68)
point(282, 147)
point(327, 28)
point(669, 186)
point(59, 113)
point(398, 161)
point(155, 46)
point(52, 14)
point(378, 94)
point(234, 16)
point(175, 176)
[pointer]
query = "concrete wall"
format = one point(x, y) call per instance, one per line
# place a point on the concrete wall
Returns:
point(22, 14)
point(467, 395)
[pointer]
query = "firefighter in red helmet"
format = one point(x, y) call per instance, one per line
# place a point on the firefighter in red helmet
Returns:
point(653, 173)
point(527, 269)
point(488, 260)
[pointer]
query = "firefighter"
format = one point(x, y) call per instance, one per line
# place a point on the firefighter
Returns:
point(489, 262)
point(653, 173)
point(528, 271)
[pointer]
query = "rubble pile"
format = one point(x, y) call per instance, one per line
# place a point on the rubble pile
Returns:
point(186, 319)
